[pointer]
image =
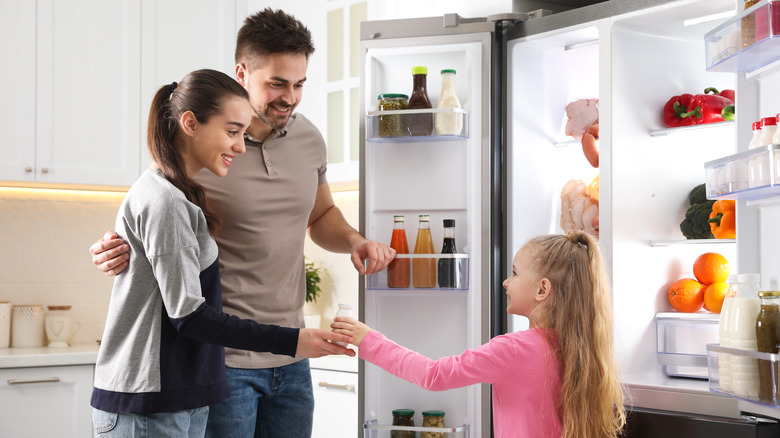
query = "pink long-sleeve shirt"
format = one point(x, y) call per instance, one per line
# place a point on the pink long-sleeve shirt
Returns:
point(521, 367)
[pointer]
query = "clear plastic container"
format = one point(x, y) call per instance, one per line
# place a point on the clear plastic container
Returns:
point(682, 340)
point(746, 42)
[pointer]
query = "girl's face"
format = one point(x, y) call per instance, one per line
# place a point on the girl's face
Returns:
point(521, 287)
point(218, 141)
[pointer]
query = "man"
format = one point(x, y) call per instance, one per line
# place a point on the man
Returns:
point(271, 196)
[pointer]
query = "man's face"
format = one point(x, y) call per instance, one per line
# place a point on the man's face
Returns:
point(275, 87)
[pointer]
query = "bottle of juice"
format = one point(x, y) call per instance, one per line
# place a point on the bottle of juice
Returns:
point(449, 269)
point(419, 124)
point(398, 269)
point(742, 334)
point(448, 123)
point(424, 269)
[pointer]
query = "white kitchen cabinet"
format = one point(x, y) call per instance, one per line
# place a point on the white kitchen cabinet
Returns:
point(87, 92)
point(335, 404)
point(46, 401)
point(180, 36)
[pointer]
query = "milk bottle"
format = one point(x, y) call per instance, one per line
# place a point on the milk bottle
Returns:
point(344, 310)
point(724, 359)
point(742, 334)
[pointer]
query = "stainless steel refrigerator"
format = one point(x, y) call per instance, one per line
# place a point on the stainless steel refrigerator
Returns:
point(501, 178)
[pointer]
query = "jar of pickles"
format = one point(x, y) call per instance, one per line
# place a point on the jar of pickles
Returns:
point(433, 419)
point(393, 125)
point(403, 417)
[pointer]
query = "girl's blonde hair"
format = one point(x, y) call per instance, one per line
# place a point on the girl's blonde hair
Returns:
point(579, 312)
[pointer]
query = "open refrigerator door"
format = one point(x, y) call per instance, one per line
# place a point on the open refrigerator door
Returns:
point(442, 176)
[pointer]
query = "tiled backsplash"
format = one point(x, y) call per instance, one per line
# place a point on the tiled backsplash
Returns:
point(44, 252)
point(44, 255)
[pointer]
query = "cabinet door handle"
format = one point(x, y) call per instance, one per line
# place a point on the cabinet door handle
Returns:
point(45, 170)
point(30, 381)
point(28, 169)
point(334, 386)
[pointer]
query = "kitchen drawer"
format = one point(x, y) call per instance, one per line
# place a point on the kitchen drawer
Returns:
point(46, 401)
point(335, 404)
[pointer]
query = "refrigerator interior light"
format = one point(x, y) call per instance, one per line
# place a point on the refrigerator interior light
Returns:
point(708, 18)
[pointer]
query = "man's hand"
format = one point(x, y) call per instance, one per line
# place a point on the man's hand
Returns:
point(378, 254)
point(314, 343)
point(110, 254)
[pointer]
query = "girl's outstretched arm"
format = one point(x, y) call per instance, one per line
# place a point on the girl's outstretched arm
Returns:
point(350, 327)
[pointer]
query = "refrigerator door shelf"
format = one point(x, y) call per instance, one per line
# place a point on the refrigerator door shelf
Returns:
point(371, 429)
point(753, 174)
point(668, 131)
point(378, 281)
point(769, 362)
point(382, 125)
point(747, 42)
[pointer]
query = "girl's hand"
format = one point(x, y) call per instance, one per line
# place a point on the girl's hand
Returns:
point(350, 327)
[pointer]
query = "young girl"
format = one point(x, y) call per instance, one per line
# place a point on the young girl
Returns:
point(557, 379)
point(162, 361)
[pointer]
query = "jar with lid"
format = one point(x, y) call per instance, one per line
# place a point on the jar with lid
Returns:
point(422, 123)
point(433, 419)
point(403, 417)
point(393, 125)
point(768, 341)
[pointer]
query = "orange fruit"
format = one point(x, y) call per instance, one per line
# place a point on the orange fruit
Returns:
point(686, 295)
point(711, 267)
point(714, 295)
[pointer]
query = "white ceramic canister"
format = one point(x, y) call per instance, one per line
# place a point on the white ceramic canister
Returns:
point(27, 326)
point(60, 327)
point(5, 324)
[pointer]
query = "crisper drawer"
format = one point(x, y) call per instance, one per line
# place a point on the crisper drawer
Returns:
point(46, 401)
point(682, 340)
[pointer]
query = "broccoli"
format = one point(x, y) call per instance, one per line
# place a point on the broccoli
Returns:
point(696, 224)
point(698, 194)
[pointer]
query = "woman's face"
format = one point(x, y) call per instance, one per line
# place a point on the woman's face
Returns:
point(218, 141)
point(521, 287)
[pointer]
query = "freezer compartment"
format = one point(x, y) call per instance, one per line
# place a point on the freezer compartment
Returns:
point(458, 264)
point(765, 365)
point(391, 126)
point(682, 340)
point(752, 174)
point(746, 42)
point(373, 430)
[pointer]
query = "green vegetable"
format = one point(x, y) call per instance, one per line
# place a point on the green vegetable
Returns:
point(698, 195)
point(696, 224)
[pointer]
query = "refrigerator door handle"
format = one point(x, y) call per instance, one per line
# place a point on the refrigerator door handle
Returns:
point(350, 388)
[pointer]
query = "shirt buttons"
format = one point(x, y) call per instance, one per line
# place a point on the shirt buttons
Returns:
point(268, 163)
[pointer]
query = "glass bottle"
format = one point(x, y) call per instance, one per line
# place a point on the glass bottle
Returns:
point(742, 334)
point(756, 134)
point(433, 419)
point(724, 359)
point(768, 340)
point(344, 310)
point(398, 269)
point(403, 417)
point(448, 123)
point(424, 269)
point(419, 124)
point(449, 268)
point(393, 125)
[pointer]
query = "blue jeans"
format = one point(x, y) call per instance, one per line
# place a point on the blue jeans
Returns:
point(265, 403)
point(181, 424)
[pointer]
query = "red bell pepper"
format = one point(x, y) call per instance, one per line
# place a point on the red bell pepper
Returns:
point(709, 108)
point(674, 110)
point(728, 94)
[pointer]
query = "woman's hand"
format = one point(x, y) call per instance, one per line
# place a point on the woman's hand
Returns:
point(350, 327)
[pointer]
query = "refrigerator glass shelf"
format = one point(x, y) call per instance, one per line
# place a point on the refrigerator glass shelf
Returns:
point(668, 131)
point(770, 363)
point(746, 42)
point(391, 126)
point(378, 281)
point(371, 429)
point(752, 174)
point(661, 243)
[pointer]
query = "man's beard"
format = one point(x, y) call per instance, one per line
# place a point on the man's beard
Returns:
point(278, 123)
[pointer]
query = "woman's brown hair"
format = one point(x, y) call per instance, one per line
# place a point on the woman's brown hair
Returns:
point(579, 312)
point(202, 92)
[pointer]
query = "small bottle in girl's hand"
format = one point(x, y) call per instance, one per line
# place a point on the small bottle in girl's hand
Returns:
point(344, 310)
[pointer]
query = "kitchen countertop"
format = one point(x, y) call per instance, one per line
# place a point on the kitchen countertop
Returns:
point(77, 354)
